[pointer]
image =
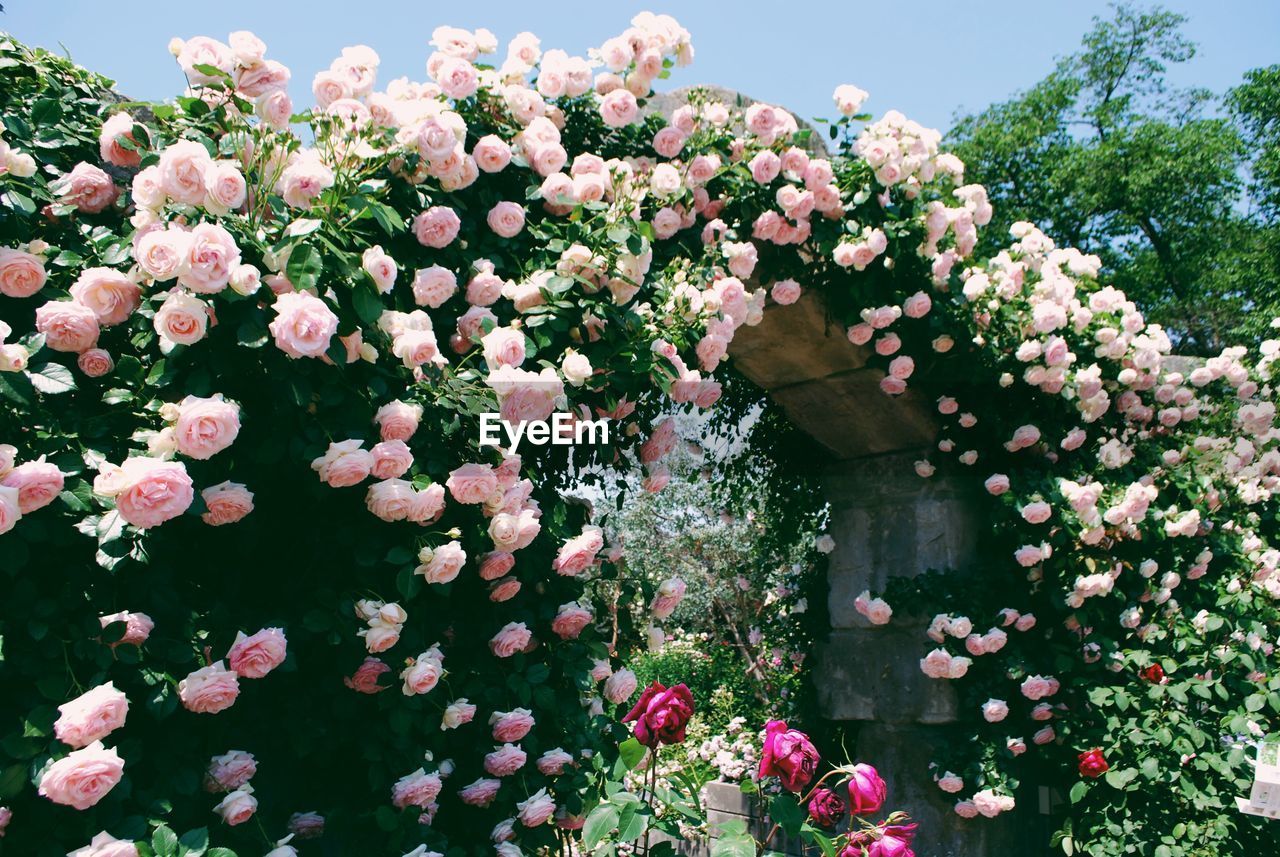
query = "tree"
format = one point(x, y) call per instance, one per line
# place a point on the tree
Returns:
point(1107, 157)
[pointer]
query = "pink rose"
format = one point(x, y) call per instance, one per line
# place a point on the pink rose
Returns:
point(620, 686)
point(578, 553)
point(505, 760)
point(83, 777)
point(669, 595)
point(619, 108)
point(67, 326)
point(418, 789)
point(536, 809)
point(510, 726)
point(391, 499)
point(436, 227)
point(503, 346)
point(423, 673)
point(306, 177)
point(480, 793)
point(365, 678)
point(183, 166)
point(443, 564)
point(866, 790)
point(661, 714)
point(506, 219)
point(106, 845)
point(457, 713)
point(570, 620)
point(785, 292)
point(238, 806)
point(433, 286)
point(496, 564)
point(95, 362)
point(306, 825)
point(765, 166)
point(427, 505)
point(391, 459)
point(230, 771)
point(86, 187)
point(119, 125)
point(21, 274)
point(996, 484)
point(472, 483)
point(254, 657)
point(788, 755)
point(343, 464)
point(205, 427)
point(303, 326)
point(91, 716)
point(182, 319)
point(138, 626)
point(226, 503)
point(38, 484)
point(225, 189)
point(147, 491)
point(398, 420)
point(512, 638)
point(209, 689)
point(380, 267)
point(212, 255)
point(553, 762)
point(492, 153)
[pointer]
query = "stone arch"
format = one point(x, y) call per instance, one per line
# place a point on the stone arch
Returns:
point(886, 523)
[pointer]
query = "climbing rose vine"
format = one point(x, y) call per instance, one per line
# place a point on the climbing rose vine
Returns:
point(260, 577)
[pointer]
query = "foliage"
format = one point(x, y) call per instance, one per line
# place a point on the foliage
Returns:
point(1107, 157)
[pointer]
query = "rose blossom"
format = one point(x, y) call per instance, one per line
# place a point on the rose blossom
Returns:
point(442, 564)
point(578, 553)
point(418, 789)
point(67, 325)
point(38, 484)
point(226, 503)
point(480, 793)
point(106, 845)
point(669, 595)
point(22, 274)
point(398, 420)
point(457, 713)
point(209, 690)
point(570, 620)
point(789, 755)
point(86, 187)
point(505, 760)
point(620, 686)
point(995, 710)
point(506, 219)
point(495, 564)
point(306, 825)
point(661, 714)
point(553, 762)
point(512, 638)
point(391, 459)
point(95, 362)
point(511, 726)
point(380, 267)
point(83, 777)
point(147, 491)
point(436, 227)
point(390, 499)
point(91, 716)
point(205, 427)
point(254, 657)
point(536, 809)
point(109, 147)
point(866, 790)
point(826, 808)
point(230, 771)
point(365, 678)
point(303, 325)
point(138, 626)
point(238, 806)
point(472, 483)
point(182, 319)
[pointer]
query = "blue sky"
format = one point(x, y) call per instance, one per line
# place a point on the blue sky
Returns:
point(928, 58)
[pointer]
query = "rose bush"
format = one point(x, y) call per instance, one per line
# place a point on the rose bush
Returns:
point(199, 302)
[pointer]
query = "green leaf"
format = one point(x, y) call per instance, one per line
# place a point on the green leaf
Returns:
point(367, 302)
point(739, 845)
point(600, 822)
point(164, 842)
point(46, 112)
point(787, 813)
point(632, 822)
point(52, 378)
point(1078, 791)
point(631, 752)
point(194, 843)
point(304, 267)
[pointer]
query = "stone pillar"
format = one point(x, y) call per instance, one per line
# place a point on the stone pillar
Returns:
point(887, 522)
